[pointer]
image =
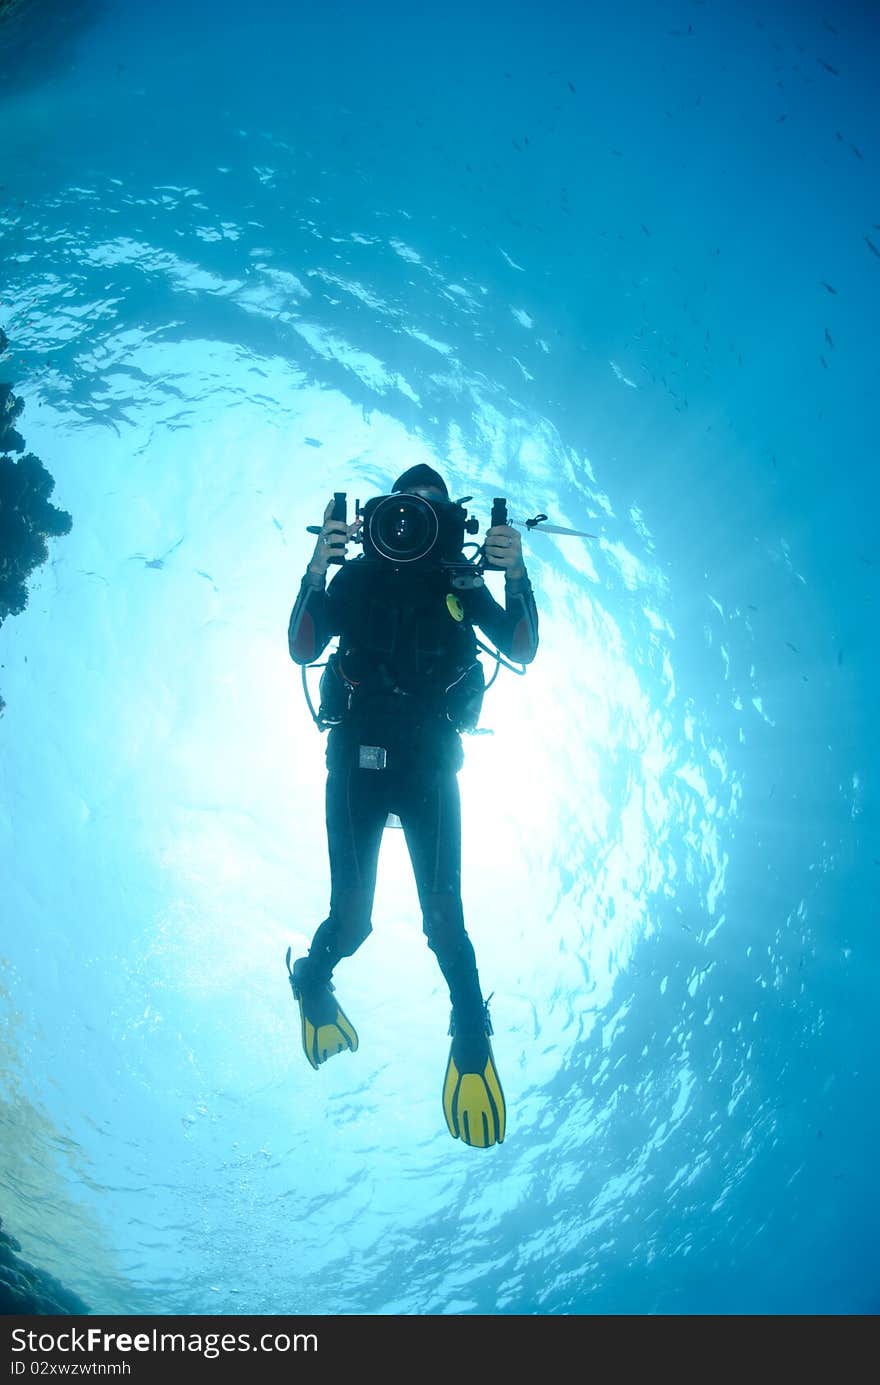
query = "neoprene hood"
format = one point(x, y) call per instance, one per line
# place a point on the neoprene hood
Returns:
point(420, 475)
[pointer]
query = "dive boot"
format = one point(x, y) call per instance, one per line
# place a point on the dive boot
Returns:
point(473, 1102)
point(326, 1029)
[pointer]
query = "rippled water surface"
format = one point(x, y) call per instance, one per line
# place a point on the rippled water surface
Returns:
point(621, 267)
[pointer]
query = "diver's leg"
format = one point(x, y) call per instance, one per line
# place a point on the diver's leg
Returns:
point(430, 814)
point(356, 810)
point(473, 1102)
point(355, 818)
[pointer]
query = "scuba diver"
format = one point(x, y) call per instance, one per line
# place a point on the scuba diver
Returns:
point(402, 685)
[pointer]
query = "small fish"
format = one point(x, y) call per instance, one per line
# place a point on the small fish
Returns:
point(858, 153)
point(752, 608)
point(517, 147)
point(824, 362)
point(829, 287)
point(780, 118)
point(792, 647)
point(829, 339)
point(840, 136)
point(278, 525)
point(830, 27)
point(828, 67)
point(572, 87)
point(313, 442)
point(155, 562)
point(872, 247)
point(839, 658)
point(618, 152)
point(644, 228)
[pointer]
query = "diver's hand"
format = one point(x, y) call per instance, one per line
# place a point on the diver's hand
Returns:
point(332, 542)
point(503, 547)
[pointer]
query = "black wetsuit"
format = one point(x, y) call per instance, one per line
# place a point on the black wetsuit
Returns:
point(406, 648)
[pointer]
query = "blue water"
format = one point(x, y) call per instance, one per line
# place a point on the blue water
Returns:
point(573, 255)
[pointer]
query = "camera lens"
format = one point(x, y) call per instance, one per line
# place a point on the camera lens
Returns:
point(403, 528)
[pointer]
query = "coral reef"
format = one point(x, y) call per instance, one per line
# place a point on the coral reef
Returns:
point(25, 1290)
point(27, 518)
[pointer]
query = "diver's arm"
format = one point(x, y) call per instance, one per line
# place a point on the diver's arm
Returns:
point(513, 627)
point(513, 630)
point(319, 614)
point(309, 629)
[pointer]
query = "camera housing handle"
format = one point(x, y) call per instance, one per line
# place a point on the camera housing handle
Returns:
point(340, 511)
point(499, 516)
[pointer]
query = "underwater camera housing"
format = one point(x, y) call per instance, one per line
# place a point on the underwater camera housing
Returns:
point(409, 531)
